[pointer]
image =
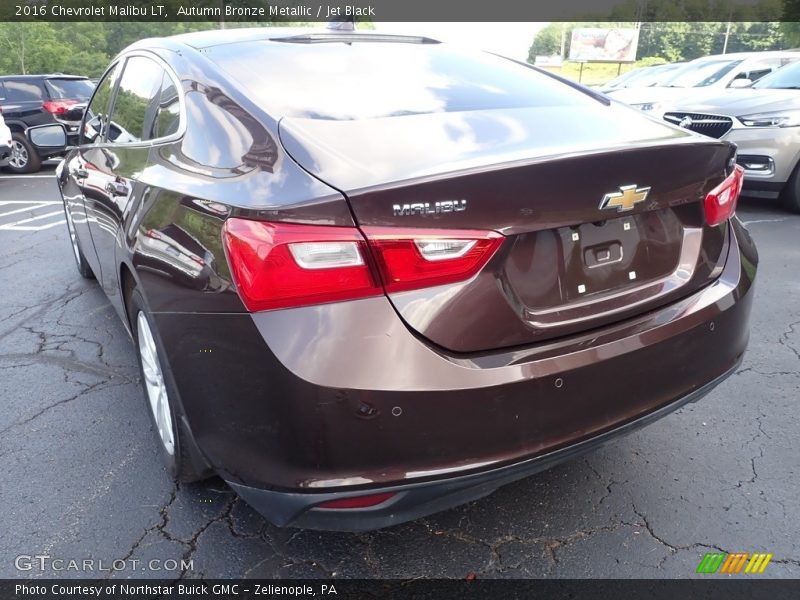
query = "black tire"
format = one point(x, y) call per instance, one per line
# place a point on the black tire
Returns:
point(178, 462)
point(28, 160)
point(790, 196)
point(80, 260)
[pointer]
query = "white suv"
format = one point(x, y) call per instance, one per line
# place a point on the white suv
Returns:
point(5, 141)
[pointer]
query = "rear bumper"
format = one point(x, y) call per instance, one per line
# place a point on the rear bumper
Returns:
point(417, 500)
point(342, 399)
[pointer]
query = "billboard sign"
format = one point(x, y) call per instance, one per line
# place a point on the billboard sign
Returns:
point(603, 45)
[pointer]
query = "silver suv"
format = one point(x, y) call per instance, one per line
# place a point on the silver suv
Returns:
point(764, 123)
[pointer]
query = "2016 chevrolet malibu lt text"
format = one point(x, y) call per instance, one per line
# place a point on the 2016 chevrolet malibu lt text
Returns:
point(372, 277)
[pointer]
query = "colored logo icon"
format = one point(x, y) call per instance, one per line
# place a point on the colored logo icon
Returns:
point(739, 562)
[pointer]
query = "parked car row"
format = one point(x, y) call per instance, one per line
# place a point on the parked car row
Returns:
point(641, 77)
point(30, 100)
point(750, 99)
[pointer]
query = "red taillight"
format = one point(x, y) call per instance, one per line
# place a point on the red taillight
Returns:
point(58, 107)
point(358, 501)
point(280, 265)
point(720, 203)
point(277, 265)
point(426, 257)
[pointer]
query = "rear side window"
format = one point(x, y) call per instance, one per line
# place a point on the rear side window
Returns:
point(164, 115)
point(23, 91)
point(136, 101)
point(69, 89)
point(96, 120)
point(361, 80)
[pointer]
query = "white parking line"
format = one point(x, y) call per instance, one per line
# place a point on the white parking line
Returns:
point(763, 221)
point(2, 202)
point(27, 208)
point(27, 176)
point(32, 227)
point(16, 224)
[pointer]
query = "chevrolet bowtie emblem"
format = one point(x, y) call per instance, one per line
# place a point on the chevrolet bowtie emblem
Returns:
point(625, 198)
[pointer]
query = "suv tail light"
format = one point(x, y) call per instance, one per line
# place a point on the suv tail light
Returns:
point(280, 265)
point(720, 203)
point(58, 107)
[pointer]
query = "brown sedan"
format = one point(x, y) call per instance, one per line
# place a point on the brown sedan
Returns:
point(372, 277)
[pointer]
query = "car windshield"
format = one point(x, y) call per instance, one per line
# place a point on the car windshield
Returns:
point(787, 78)
point(70, 89)
point(701, 74)
point(654, 76)
point(625, 78)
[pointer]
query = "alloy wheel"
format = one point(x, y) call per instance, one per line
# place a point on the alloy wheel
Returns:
point(19, 155)
point(154, 384)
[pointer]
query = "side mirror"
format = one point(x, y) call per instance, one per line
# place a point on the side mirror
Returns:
point(48, 138)
point(741, 83)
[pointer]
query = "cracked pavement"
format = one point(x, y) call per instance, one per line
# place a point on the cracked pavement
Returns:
point(82, 477)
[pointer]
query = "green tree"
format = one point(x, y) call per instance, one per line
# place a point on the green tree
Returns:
point(547, 41)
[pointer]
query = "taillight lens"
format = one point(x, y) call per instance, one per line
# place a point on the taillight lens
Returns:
point(58, 107)
point(426, 257)
point(358, 501)
point(720, 203)
point(278, 265)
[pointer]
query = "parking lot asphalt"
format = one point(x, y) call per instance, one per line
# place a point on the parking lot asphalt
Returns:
point(82, 478)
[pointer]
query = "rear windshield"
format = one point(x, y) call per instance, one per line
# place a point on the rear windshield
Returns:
point(335, 80)
point(22, 90)
point(70, 89)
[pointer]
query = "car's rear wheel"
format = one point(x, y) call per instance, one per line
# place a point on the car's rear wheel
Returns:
point(24, 158)
point(160, 394)
point(790, 196)
point(80, 260)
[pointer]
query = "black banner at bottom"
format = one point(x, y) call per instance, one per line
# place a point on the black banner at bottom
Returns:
point(439, 589)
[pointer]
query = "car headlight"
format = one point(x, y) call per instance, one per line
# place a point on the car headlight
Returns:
point(783, 118)
point(647, 106)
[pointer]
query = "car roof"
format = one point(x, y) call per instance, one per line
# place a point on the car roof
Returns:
point(50, 76)
point(217, 37)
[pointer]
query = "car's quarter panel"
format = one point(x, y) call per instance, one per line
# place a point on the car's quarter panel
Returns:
point(343, 395)
point(227, 162)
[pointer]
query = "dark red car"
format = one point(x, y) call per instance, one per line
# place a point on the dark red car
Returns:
point(372, 277)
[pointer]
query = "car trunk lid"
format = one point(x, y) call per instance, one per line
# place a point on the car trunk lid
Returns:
point(601, 209)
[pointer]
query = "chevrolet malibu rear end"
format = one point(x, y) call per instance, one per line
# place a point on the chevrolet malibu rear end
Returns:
point(398, 275)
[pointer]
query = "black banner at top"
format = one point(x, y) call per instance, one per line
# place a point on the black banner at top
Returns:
point(307, 11)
